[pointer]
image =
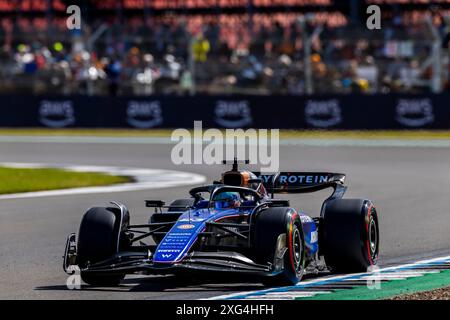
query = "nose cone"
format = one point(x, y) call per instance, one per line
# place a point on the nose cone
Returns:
point(178, 241)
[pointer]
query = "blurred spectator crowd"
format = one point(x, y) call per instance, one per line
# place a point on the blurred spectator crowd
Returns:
point(219, 54)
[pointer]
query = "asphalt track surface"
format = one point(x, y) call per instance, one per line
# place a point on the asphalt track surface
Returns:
point(410, 187)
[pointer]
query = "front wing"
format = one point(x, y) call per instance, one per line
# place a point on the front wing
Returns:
point(133, 262)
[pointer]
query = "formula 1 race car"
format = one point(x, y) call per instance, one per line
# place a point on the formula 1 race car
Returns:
point(234, 225)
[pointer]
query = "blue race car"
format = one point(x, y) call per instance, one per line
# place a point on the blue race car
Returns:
point(234, 225)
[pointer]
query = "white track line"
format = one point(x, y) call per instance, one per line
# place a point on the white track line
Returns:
point(314, 142)
point(145, 179)
point(299, 293)
point(259, 294)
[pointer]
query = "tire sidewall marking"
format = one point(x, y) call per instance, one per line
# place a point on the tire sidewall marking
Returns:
point(368, 219)
point(293, 216)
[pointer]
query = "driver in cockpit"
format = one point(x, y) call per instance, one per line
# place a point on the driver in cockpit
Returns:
point(227, 200)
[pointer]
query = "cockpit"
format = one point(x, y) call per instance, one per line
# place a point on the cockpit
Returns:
point(224, 197)
point(245, 179)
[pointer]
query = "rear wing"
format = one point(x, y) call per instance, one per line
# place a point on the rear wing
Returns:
point(300, 182)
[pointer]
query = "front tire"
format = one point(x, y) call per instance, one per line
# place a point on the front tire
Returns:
point(271, 224)
point(98, 239)
point(350, 235)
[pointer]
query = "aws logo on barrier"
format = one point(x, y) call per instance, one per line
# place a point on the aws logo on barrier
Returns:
point(56, 114)
point(233, 114)
point(414, 112)
point(323, 113)
point(144, 114)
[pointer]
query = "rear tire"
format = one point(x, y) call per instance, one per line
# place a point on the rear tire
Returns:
point(350, 235)
point(98, 239)
point(270, 224)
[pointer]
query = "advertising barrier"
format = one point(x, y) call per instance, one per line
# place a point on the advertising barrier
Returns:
point(349, 112)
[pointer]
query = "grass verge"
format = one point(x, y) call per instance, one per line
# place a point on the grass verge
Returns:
point(18, 180)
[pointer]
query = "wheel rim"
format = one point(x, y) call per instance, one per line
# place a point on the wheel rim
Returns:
point(297, 250)
point(373, 238)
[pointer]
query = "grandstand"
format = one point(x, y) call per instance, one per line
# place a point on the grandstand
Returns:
point(260, 47)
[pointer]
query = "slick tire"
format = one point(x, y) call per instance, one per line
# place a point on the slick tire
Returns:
point(99, 239)
point(270, 225)
point(350, 235)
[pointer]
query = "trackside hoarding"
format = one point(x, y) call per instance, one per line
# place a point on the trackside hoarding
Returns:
point(350, 112)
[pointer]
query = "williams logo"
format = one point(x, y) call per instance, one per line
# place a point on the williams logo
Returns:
point(56, 114)
point(323, 114)
point(301, 179)
point(143, 114)
point(233, 114)
point(186, 226)
point(414, 112)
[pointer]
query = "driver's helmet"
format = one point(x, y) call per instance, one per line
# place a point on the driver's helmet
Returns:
point(227, 200)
